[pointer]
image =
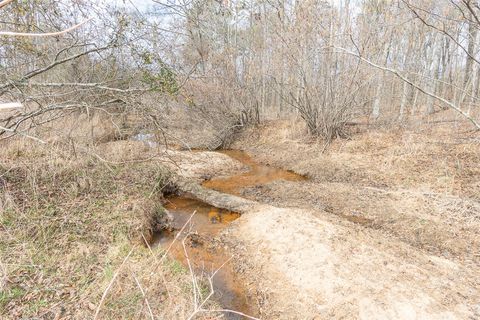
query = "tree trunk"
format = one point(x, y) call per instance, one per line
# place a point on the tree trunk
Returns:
point(472, 36)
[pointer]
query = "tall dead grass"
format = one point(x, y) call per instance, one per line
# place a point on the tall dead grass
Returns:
point(72, 226)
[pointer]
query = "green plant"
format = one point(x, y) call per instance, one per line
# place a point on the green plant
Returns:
point(8, 295)
point(163, 80)
point(177, 268)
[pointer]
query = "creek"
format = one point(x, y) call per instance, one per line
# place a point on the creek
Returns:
point(208, 222)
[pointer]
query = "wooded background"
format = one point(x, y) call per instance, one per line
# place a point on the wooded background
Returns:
point(232, 63)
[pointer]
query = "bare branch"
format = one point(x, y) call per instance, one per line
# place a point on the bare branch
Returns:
point(36, 72)
point(416, 86)
point(10, 105)
point(442, 31)
point(86, 85)
point(48, 34)
point(4, 3)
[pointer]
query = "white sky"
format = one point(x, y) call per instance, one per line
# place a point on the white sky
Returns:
point(139, 4)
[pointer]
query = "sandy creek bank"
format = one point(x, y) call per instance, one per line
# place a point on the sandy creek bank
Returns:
point(299, 261)
point(198, 246)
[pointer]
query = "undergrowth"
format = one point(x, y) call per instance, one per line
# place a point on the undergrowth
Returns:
point(68, 223)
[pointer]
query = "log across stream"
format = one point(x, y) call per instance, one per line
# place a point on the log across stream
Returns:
point(209, 221)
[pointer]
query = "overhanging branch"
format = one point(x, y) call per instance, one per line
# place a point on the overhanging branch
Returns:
point(416, 86)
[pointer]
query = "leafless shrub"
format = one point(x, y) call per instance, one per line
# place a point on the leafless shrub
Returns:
point(326, 108)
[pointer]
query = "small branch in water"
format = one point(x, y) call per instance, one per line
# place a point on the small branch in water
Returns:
point(192, 274)
point(178, 235)
point(200, 309)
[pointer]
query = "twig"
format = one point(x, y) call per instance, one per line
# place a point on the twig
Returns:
point(192, 274)
point(200, 309)
point(4, 3)
point(22, 134)
point(210, 294)
point(178, 235)
point(149, 248)
point(10, 105)
point(110, 285)
point(3, 276)
point(229, 311)
point(144, 296)
point(161, 272)
point(83, 85)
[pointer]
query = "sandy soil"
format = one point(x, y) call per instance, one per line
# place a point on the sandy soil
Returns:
point(197, 165)
point(424, 193)
point(387, 227)
point(310, 268)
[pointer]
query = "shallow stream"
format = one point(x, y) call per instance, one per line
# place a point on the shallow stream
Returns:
point(208, 222)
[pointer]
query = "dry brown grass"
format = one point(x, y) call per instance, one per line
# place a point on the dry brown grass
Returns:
point(72, 212)
point(440, 158)
point(68, 221)
point(419, 184)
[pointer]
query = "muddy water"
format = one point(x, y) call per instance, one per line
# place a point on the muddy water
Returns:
point(206, 258)
point(208, 222)
point(256, 175)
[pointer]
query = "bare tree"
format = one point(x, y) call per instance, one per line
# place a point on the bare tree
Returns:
point(235, 63)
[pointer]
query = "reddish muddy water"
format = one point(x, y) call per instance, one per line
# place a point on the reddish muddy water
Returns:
point(256, 175)
point(208, 222)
